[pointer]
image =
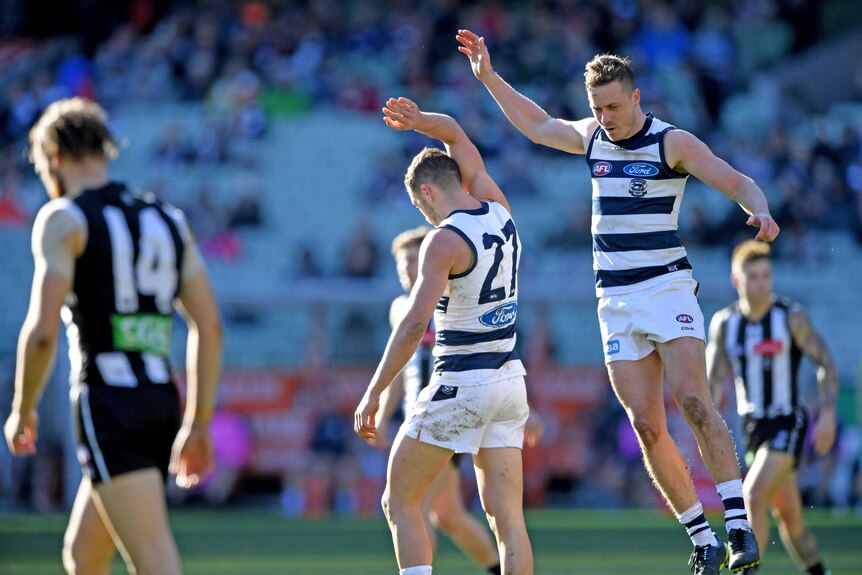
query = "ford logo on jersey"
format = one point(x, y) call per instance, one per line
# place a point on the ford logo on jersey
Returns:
point(500, 316)
point(642, 170)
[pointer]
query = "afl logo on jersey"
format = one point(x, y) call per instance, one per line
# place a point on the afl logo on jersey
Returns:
point(500, 316)
point(637, 187)
point(642, 170)
point(602, 169)
point(684, 318)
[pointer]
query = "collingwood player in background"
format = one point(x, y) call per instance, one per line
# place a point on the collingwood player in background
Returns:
point(115, 264)
point(761, 340)
point(476, 401)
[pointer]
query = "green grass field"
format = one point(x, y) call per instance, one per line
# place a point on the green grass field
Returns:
point(564, 542)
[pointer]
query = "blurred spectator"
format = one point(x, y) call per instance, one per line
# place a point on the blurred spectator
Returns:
point(362, 255)
point(246, 210)
point(307, 265)
point(172, 148)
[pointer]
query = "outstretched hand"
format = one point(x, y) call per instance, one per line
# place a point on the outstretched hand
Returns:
point(769, 230)
point(402, 114)
point(474, 47)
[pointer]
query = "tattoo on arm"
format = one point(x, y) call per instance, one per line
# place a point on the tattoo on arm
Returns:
point(814, 347)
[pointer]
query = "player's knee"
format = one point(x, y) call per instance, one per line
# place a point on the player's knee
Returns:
point(755, 497)
point(447, 520)
point(647, 430)
point(78, 559)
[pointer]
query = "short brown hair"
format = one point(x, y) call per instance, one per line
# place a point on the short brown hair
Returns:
point(410, 238)
point(606, 68)
point(434, 166)
point(74, 128)
point(749, 251)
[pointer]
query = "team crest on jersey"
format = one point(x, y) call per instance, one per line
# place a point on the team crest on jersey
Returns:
point(602, 169)
point(642, 170)
point(500, 316)
point(637, 187)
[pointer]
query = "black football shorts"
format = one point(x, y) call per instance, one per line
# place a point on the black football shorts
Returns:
point(122, 429)
point(785, 433)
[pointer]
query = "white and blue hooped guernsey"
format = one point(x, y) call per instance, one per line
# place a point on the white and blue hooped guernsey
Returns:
point(475, 318)
point(636, 200)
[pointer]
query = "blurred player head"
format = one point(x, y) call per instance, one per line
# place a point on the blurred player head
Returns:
point(70, 132)
point(433, 176)
point(613, 94)
point(751, 271)
point(405, 250)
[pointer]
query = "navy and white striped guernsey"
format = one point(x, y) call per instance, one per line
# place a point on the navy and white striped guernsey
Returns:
point(636, 200)
point(765, 360)
point(475, 318)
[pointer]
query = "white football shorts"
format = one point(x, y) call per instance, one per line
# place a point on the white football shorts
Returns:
point(469, 418)
point(632, 323)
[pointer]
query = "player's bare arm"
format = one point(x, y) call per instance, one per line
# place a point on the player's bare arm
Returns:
point(404, 114)
point(192, 453)
point(687, 154)
point(58, 237)
point(523, 113)
point(443, 252)
point(717, 361)
point(812, 345)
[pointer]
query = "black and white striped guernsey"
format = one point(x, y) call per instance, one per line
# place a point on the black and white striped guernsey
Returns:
point(636, 200)
point(119, 314)
point(765, 360)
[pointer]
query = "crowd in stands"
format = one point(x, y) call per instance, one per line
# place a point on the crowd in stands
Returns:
point(252, 62)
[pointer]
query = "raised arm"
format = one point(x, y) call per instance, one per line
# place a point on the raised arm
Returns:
point(523, 113)
point(717, 361)
point(58, 237)
point(687, 154)
point(827, 377)
point(404, 114)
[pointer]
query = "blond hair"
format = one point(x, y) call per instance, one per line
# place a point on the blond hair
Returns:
point(74, 128)
point(749, 251)
point(606, 68)
point(409, 238)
